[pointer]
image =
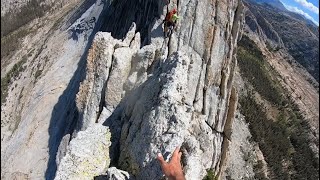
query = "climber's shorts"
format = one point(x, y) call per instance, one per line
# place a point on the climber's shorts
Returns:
point(168, 24)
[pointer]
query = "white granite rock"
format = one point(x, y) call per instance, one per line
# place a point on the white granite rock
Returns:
point(87, 155)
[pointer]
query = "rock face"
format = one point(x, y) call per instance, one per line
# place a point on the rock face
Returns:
point(87, 155)
point(16, 14)
point(242, 153)
point(115, 174)
point(40, 105)
point(153, 94)
point(172, 92)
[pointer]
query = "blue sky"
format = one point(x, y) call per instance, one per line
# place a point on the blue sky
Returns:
point(307, 8)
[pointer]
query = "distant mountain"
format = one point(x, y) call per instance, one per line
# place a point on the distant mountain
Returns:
point(274, 3)
point(288, 29)
point(278, 4)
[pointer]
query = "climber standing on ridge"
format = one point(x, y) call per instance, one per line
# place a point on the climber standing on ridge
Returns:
point(170, 22)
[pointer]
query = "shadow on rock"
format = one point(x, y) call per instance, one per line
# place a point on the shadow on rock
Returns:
point(143, 13)
point(65, 115)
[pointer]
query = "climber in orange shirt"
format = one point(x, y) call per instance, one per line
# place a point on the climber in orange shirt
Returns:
point(170, 22)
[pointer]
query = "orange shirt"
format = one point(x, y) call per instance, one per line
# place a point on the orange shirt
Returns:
point(169, 16)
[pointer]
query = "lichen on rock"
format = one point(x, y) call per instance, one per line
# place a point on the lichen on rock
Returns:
point(87, 155)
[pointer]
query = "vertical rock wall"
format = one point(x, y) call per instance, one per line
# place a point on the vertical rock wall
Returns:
point(171, 92)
